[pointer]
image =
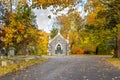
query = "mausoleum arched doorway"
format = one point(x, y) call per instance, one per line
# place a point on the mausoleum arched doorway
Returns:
point(58, 49)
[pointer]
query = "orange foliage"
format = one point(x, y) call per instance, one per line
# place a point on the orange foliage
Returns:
point(91, 18)
point(76, 50)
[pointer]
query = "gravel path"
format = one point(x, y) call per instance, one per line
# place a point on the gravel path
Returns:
point(69, 68)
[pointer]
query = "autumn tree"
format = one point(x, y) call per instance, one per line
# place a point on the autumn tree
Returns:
point(93, 28)
point(77, 23)
point(111, 21)
point(20, 30)
point(42, 42)
point(103, 21)
point(53, 33)
point(64, 23)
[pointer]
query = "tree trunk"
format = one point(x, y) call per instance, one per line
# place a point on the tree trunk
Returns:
point(96, 52)
point(117, 50)
point(11, 6)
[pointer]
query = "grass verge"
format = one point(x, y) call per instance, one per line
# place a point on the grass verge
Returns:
point(19, 66)
point(114, 61)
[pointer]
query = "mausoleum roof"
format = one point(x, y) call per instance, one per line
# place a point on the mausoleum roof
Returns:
point(58, 35)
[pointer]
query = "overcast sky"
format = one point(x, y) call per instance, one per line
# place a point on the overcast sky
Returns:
point(45, 23)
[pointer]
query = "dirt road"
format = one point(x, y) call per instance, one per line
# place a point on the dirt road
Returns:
point(69, 68)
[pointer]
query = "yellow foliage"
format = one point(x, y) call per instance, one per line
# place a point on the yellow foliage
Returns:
point(73, 37)
point(8, 35)
point(42, 1)
point(42, 41)
point(25, 36)
point(24, 1)
point(21, 27)
point(18, 39)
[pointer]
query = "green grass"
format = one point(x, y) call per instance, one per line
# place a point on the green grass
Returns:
point(24, 64)
point(114, 61)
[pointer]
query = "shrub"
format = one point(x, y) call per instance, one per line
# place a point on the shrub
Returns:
point(76, 50)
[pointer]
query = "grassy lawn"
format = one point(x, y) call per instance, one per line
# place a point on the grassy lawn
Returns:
point(114, 61)
point(17, 66)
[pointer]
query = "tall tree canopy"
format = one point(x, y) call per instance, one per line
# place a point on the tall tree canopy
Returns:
point(103, 22)
point(111, 20)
